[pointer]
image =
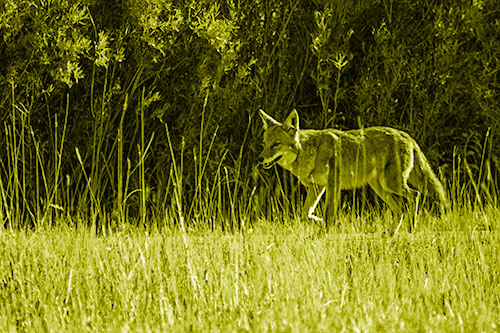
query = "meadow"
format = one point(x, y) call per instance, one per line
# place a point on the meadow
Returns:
point(268, 276)
point(131, 200)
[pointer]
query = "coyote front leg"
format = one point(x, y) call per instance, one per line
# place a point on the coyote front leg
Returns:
point(312, 200)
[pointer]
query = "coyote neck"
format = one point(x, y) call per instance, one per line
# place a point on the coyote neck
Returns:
point(313, 154)
point(303, 165)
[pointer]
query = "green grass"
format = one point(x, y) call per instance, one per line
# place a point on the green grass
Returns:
point(272, 276)
point(122, 212)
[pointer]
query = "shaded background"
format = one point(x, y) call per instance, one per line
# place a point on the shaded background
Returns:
point(113, 110)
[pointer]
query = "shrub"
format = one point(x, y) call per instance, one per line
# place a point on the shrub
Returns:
point(89, 88)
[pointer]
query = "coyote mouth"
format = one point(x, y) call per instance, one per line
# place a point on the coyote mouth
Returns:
point(273, 162)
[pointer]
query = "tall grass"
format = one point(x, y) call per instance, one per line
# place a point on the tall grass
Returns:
point(226, 201)
point(135, 67)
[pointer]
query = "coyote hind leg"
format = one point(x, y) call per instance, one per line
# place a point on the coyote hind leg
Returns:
point(392, 186)
point(393, 198)
point(395, 179)
point(387, 196)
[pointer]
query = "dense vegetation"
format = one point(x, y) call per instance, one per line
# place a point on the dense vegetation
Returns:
point(114, 108)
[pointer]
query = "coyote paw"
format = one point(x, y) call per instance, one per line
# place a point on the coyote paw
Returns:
point(315, 218)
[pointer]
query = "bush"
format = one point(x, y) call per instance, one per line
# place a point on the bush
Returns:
point(89, 88)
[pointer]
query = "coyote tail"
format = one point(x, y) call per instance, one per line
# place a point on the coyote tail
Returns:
point(432, 186)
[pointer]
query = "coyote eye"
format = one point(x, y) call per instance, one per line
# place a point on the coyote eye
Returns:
point(274, 145)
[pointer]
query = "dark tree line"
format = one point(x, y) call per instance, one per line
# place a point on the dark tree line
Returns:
point(98, 97)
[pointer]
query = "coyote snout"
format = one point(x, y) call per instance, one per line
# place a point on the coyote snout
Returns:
point(268, 162)
point(386, 159)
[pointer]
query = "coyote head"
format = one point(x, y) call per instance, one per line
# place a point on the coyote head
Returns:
point(281, 141)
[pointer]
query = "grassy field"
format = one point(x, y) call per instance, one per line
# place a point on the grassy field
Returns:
point(129, 185)
point(270, 276)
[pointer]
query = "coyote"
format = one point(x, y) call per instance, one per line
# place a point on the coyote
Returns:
point(387, 159)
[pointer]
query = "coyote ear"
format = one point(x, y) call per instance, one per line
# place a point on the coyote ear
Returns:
point(267, 120)
point(291, 122)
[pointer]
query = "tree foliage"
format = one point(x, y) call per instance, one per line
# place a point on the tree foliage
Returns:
point(104, 78)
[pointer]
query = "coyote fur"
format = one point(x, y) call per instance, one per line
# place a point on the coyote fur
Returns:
point(387, 159)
